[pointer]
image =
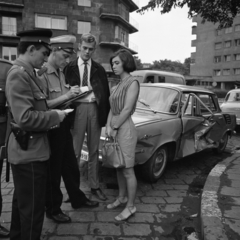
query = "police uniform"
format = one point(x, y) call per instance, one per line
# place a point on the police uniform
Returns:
point(63, 162)
point(27, 104)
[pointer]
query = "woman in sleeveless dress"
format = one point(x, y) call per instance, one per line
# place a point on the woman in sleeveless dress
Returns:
point(120, 126)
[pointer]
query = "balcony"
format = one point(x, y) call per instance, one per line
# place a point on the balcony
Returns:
point(116, 43)
point(194, 30)
point(120, 16)
point(12, 3)
point(194, 43)
point(133, 5)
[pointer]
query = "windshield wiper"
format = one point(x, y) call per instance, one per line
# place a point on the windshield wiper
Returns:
point(147, 105)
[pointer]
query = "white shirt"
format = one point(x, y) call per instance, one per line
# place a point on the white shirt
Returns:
point(90, 97)
point(81, 66)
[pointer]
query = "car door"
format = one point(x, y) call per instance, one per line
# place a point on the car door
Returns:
point(201, 127)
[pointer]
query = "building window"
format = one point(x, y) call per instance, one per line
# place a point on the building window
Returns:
point(227, 58)
point(237, 42)
point(217, 59)
point(227, 44)
point(84, 27)
point(218, 45)
point(218, 32)
point(237, 71)
point(9, 26)
point(228, 30)
point(85, 3)
point(217, 72)
point(192, 60)
point(237, 28)
point(226, 72)
point(237, 57)
point(51, 22)
point(9, 53)
point(122, 35)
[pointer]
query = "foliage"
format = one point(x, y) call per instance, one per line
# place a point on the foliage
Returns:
point(216, 11)
point(173, 66)
point(221, 93)
point(138, 62)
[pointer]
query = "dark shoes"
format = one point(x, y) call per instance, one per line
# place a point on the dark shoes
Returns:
point(59, 218)
point(87, 204)
point(4, 233)
point(99, 194)
point(90, 204)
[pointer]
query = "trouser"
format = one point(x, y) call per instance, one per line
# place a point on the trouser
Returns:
point(28, 200)
point(86, 121)
point(63, 162)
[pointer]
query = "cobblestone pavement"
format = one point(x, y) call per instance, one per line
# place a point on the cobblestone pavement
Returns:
point(166, 210)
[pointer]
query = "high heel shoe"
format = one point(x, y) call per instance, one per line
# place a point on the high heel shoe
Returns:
point(126, 213)
point(117, 203)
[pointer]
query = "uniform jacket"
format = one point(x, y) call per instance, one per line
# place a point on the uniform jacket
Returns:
point(27, 104)
point(99, 83)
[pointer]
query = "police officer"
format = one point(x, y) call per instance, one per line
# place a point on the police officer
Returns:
point(63, 161)
point(28, 146)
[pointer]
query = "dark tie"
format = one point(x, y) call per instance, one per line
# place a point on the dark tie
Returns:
point(85, 75)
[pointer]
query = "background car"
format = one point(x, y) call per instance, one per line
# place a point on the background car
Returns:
point(231, 104)
point(157, 76)
point(174, 121)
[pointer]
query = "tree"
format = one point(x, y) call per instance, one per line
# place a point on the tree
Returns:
point(216, 11)
point(138, 62)
point(172, 66)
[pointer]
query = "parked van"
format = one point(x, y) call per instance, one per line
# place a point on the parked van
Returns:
point(155, 76)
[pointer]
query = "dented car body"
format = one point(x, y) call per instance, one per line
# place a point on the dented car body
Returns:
point(174, 121)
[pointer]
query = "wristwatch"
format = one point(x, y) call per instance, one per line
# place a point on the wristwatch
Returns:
point(115, 128)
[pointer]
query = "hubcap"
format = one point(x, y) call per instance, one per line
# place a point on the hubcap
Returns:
point(159, 162)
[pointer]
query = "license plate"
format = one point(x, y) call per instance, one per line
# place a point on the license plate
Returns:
point(84, 156)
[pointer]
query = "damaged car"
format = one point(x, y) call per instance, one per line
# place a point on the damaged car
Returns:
point(174, 121)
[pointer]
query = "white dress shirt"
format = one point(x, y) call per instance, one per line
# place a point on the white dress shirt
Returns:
point(90, 97)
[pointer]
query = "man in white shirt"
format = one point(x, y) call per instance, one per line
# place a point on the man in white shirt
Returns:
point(92, 110)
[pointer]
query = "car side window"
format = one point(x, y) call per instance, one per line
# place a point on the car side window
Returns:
point(150, 79)
point(161, 79)
point(188, 109)
point(208, 101)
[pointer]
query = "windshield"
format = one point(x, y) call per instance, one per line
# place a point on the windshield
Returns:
point(233, 97)
point(160, 99)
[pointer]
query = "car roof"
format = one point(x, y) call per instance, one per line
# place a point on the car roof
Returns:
point(179, 87)
point(235, 90)
point(144, 72)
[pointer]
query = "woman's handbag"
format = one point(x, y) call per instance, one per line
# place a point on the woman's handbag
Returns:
point(112, 154)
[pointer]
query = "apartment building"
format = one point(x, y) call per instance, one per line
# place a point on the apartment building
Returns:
point(216, 61)
point(108, 20)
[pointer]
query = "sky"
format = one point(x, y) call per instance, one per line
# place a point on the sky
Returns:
point(163, 36)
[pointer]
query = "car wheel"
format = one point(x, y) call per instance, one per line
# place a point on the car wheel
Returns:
point(222, 144)
point(155, 166)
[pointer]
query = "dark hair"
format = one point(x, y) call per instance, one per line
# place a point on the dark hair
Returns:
point(22, 46)
point(129, 64)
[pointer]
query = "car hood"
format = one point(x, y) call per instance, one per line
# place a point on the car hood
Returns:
point(141, 118)
point(145, 117)
point(231, 107)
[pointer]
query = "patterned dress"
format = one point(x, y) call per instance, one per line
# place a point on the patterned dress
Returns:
point(127, 133)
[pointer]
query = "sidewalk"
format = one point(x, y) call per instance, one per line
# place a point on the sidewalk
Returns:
point(220, 205)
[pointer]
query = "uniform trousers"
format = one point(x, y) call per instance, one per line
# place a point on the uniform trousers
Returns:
point(86, 121)
point(63, 163)
point(1, 165)
point(28, 200)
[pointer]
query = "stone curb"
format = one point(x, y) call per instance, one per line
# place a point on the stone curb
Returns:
point(212, 221)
